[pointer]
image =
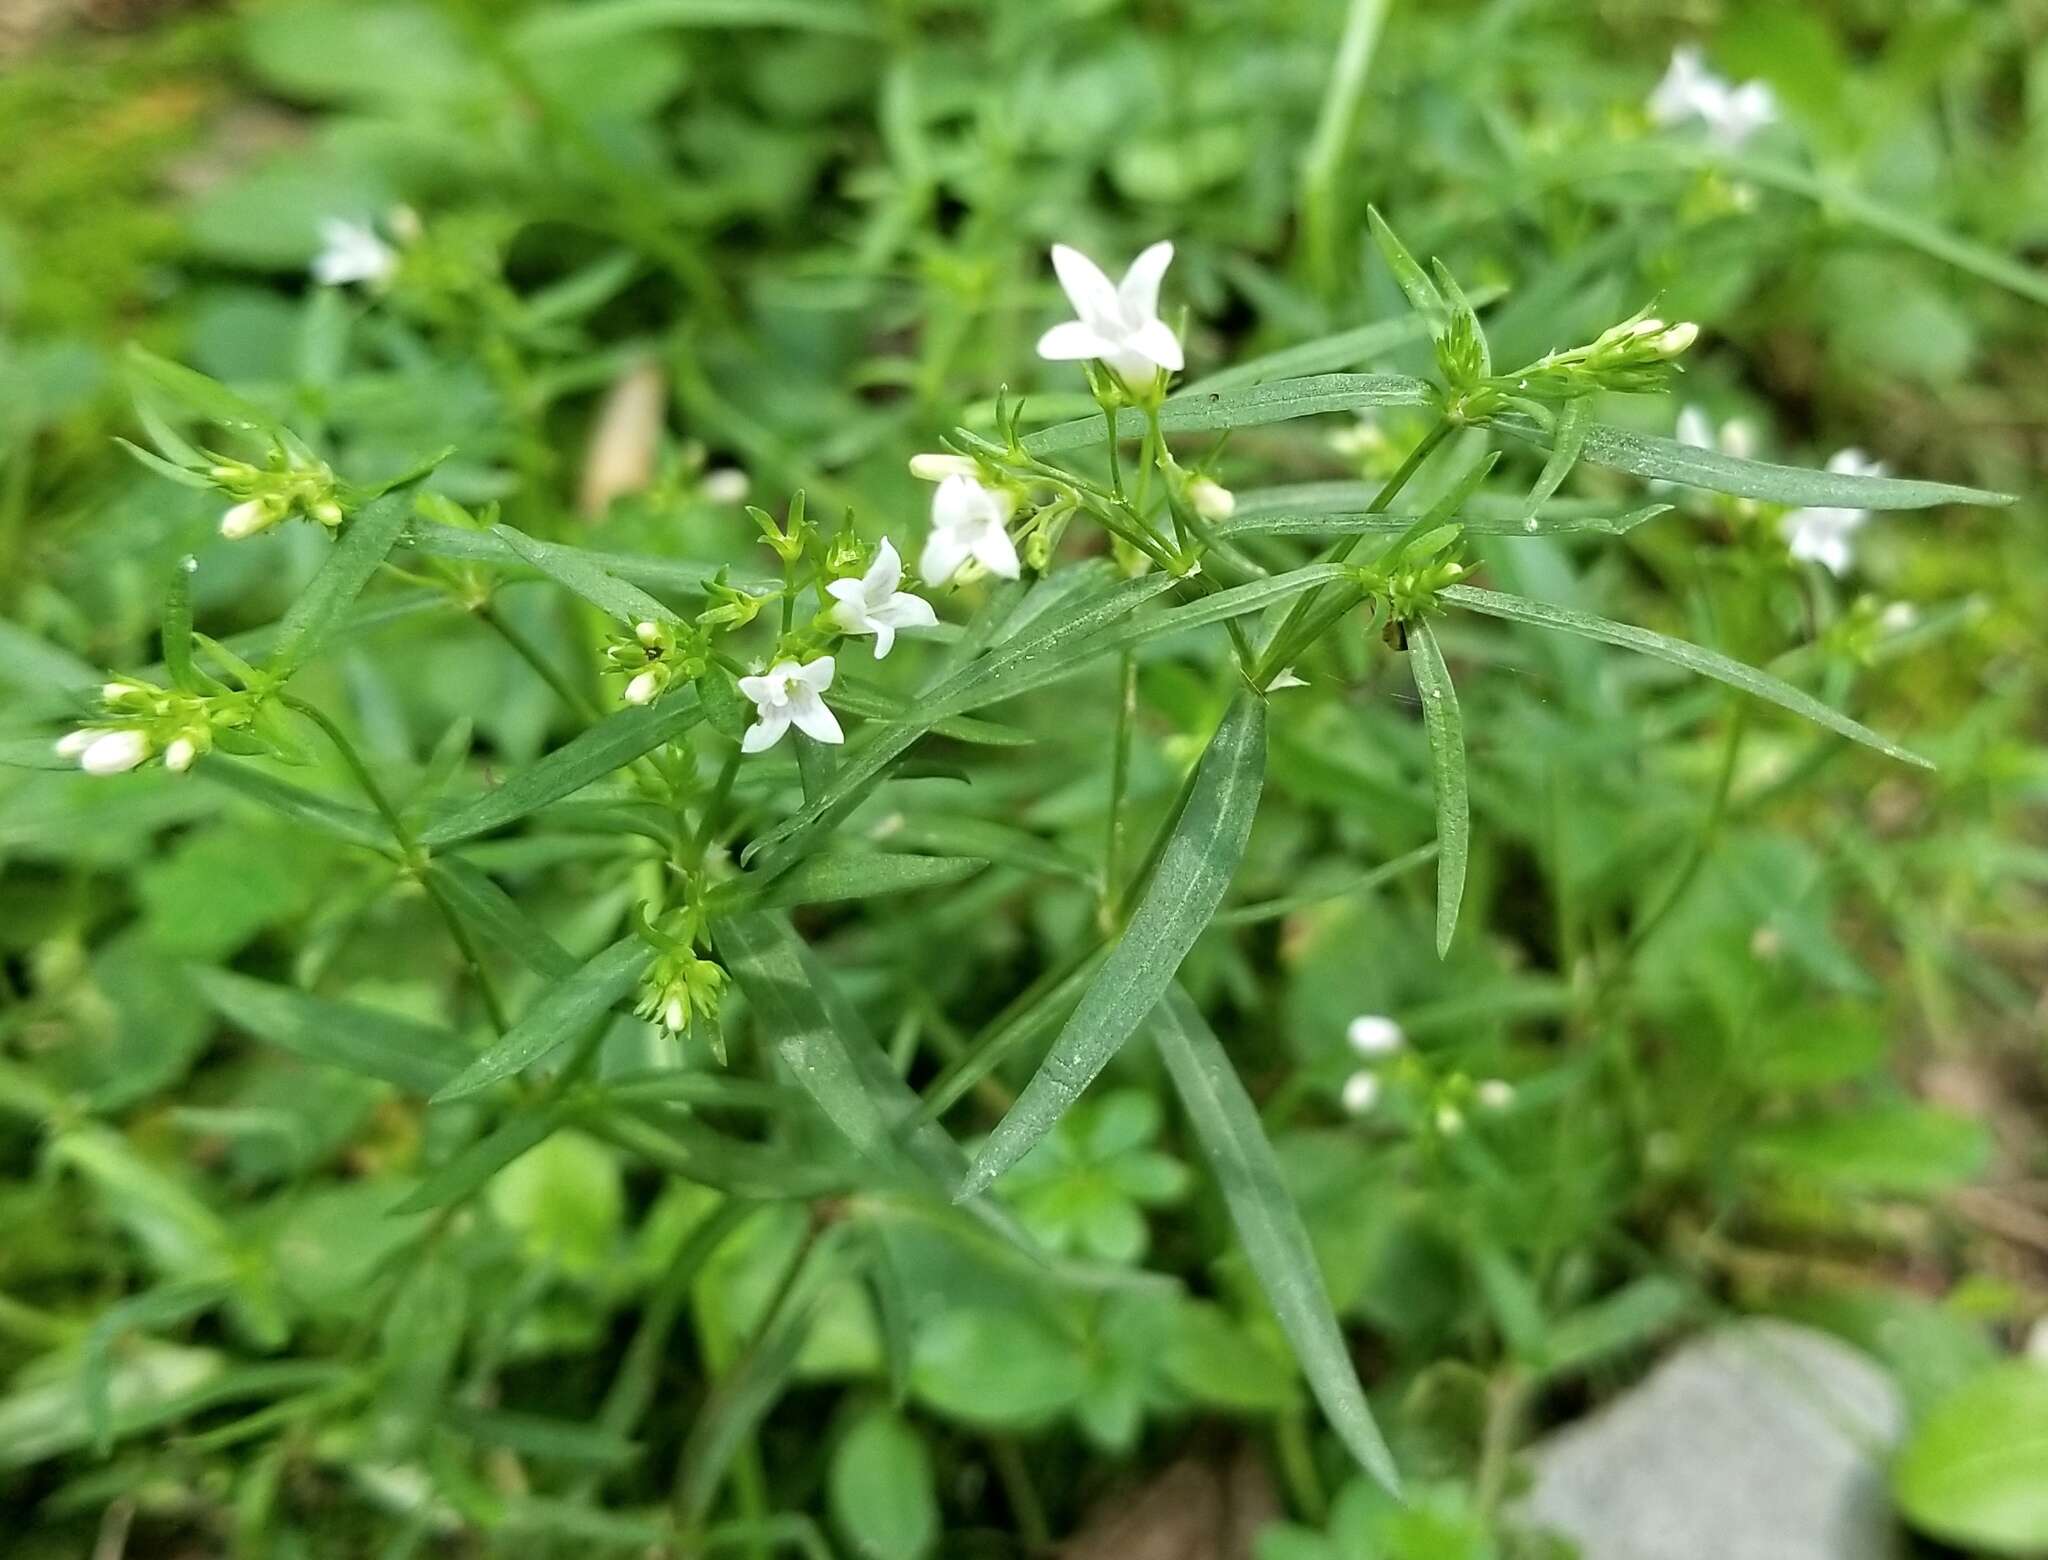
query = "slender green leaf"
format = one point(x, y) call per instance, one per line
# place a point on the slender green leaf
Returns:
point(1274, 909)
point(608, 746)
point(577, 570)
point(1194, 871)
point(1253, 406)
point(1446, 729)
point(1414, 282)
point(1345, 349)
point(163, 1307)
point(597, 19)
point(476, 1163)
point(1666, 460)
point(829, 878)
point(475, 897)
point(35, 666)
point(377, 1044)
point(352, 825)
point(1567, 439)
point(1317, 508)
point(196, 393)
point(1227, 1129)
point(448, 541)
point(1694, 658)
point(177, 630)
point(365, 539)
point(567, 1010)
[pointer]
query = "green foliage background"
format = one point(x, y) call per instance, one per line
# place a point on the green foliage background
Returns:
point(1771, 1005)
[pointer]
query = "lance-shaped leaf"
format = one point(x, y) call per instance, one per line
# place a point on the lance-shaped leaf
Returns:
point(365, 539)
point(610, 745)
point(830, 878)
point(582, 573)
point(565, 1012)
point(1333, 508)
point(1694, 658)
point(1226, 1127)
point(677, 574)
point(338, 820)
point(1194, 871)
point(377, 1044)
point(1414, 282)
point(513, 1137)
point(474, 896)
point(1446, 730)
point(1567, 439)
point(196, 393)
point(1666, 460)
point(1211, 411)
point(1345, 349)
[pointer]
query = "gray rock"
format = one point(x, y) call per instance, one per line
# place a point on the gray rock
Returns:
point(1761, 1441)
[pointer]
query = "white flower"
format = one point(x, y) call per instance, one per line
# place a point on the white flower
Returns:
point(352, 252)
point(114, 752)
point(179, 755)
point(1898, 616)
point(642, 689)
point(1822, 535)
point(1361, 1093)
point(788, 695)
point(1374, 1034)
point(873, 605)
point(1212, 500)
point(1690, 91)
point(247, 518)
point(1734, 437)
point(1285, 678)
point(1496, 1094)
point(675, 1015)
point(968, 521)
point(937, 465)
point(1116, 322)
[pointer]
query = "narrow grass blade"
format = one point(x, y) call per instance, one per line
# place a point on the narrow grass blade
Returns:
point(1255, 405)
point(1275, 909)
point(568, 1010)
point(453, 542)
point(1281, 509)
point(1226, 1127)
point(579, 571)
point(1195, 869)
point(608, 746)
point(365, 539)
point(1446, 728)
point(1694, 658)
point(1666, 460)
point(415, 1056)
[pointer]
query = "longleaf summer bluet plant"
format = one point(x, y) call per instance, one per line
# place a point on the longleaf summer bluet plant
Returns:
point(741, 729)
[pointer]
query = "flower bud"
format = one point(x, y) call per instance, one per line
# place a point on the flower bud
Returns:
point(114, 752)
point(675, 1016)
point(1212, 500)
point(73, 743)
point(113, 692)
point(1361, 1093)
point(727, 485)
point(936, 466)
point(246, 519)
point(1450, 1120)
point(327, 512)
point(1374, 1034)
point(642, 689)
point(179, 755)
point(648, 633)
point(1670, 343)
point(1496, 1094)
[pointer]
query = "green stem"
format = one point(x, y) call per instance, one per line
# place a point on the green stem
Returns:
point(1709, 831)
point(415, 858)
point(1323, 163)
point(1119, 775)
point(578, 701)
point(1285, 645)
point(1032, 1527)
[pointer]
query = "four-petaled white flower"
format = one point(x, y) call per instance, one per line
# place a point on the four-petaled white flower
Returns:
point(352, 252)
point(789, 695)
point(873, 605)
point(1689, 90)
point(968, 521)
point(1822, 535)
point(1116, 322)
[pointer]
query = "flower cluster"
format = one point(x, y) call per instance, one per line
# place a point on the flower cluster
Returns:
point(1690, 93)
point(140, 721)
point(1378, 1040)
point(680, 989)
point(1822, 535)
point(1632, 356)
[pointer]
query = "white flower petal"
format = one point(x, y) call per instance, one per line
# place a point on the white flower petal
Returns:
point(945, 550)
point(1156, 343)
point(1072, 342)
point(814, 720)
point(1138, 292)
point(766, 731)
point(815, 675)
point(885, 573)
point(114, 752)
point(1088, 289)
point(995, 552)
